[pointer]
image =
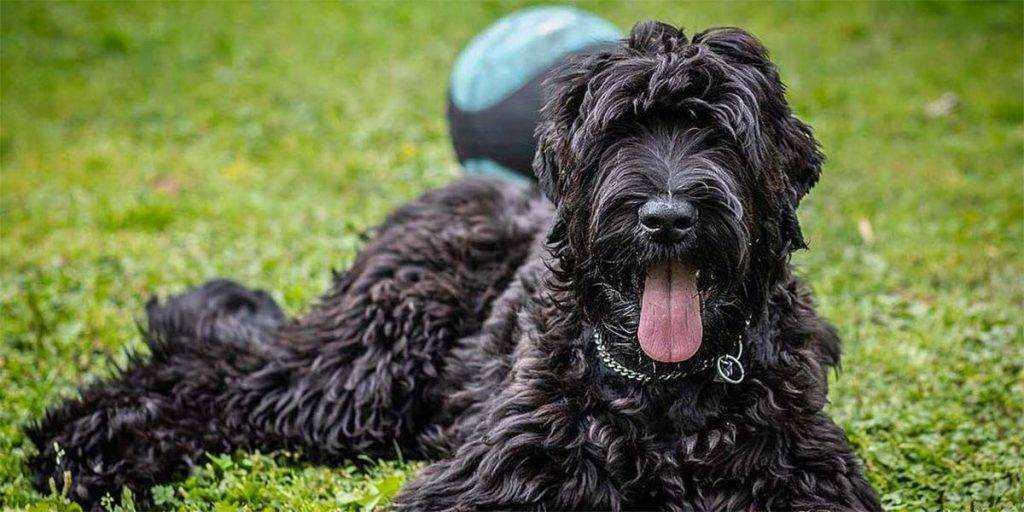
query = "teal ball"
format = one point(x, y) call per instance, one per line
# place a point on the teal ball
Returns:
point(495, 91)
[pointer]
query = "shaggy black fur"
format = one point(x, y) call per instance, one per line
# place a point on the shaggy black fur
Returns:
point(463, 332)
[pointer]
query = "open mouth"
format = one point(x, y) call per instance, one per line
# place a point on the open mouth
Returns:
point(670, 329)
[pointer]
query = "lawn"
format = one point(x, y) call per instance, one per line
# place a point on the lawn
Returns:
point(149, 147)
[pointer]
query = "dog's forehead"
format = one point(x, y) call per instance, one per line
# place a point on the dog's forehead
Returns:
point(685, 82)
point(679, 85)
point(722, 79)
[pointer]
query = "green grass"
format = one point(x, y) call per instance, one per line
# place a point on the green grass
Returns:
point(149, 147)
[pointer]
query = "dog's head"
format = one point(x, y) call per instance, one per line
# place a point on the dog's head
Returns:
point(676, 167)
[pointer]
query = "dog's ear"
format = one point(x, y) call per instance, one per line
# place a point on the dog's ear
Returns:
point(800, 156)
point(545, 166)
point(564, 93)
point(801, 159)
point(561, 119)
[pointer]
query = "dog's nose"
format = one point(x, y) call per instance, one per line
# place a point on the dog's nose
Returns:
point(667, 220)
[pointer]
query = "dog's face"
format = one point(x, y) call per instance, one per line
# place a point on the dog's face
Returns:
point(676, 167)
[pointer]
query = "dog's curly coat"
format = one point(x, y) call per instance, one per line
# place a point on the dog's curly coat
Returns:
point(465, 330)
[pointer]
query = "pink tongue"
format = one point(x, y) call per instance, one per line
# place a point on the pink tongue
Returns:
point(670, 327)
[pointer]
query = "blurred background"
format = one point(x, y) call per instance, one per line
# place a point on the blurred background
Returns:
point(147, 147)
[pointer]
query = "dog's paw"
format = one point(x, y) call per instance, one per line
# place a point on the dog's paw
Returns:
point(79, 446)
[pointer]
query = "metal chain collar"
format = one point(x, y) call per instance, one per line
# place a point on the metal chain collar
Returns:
point(728, 368)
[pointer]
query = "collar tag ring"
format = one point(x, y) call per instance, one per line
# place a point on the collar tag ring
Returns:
point(729, 370)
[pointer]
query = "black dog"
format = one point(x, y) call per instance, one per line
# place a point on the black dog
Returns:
point(636, 342)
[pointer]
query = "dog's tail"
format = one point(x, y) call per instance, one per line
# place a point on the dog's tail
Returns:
point(220, 312)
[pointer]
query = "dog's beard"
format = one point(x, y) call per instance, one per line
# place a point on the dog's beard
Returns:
point(668, 309)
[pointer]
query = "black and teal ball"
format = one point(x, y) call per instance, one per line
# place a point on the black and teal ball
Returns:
point(495, 92)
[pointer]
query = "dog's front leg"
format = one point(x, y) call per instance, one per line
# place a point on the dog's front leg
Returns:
point(516, 474)
point(823, 472)
point(529, 450)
